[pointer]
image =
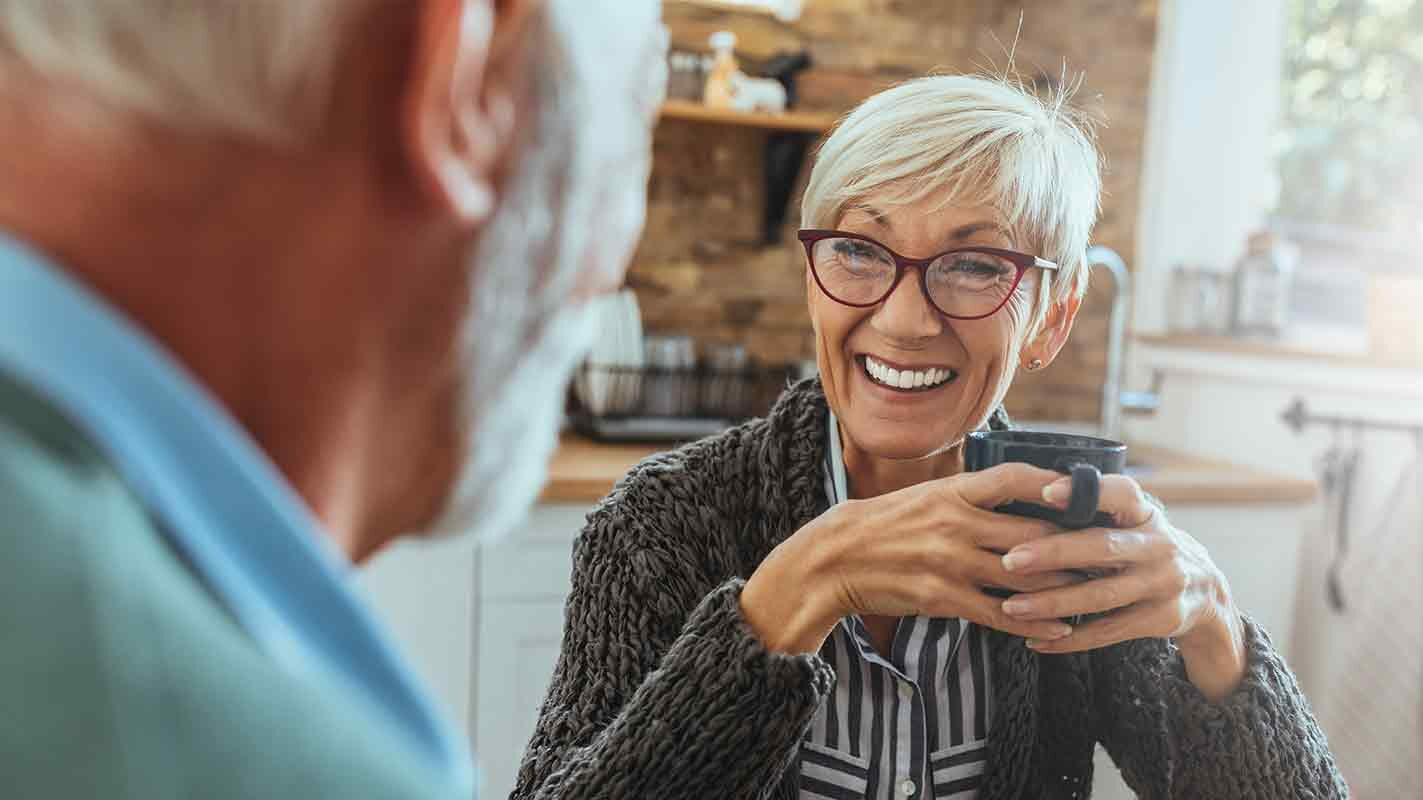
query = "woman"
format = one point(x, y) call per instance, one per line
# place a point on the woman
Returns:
point(811, 604)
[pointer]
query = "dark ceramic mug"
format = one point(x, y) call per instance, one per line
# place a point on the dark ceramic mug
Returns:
point(1085, 458)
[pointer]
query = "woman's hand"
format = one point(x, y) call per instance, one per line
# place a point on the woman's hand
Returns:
point(929, 549)
point(1157, 582)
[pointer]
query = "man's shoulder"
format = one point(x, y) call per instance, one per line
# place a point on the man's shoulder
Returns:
point(122, 675)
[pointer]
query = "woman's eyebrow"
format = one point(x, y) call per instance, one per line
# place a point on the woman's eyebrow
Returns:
point(879, 217)
point(965, 231)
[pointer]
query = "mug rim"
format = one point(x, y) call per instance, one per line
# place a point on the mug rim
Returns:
point(1018, 437)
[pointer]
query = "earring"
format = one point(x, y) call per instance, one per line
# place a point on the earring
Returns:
point(1035, 365)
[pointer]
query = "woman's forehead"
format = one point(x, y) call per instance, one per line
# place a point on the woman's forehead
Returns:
point(926, 224)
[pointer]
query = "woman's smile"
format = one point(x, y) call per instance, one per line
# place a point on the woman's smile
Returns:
point(894, 381)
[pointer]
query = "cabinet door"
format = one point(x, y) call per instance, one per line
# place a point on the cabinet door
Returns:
point(518, 646)
point(524, 581)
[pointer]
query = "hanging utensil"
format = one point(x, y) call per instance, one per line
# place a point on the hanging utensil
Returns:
point(1346, 467)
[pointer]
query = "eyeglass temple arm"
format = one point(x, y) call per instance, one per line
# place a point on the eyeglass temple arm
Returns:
point(1043, 263)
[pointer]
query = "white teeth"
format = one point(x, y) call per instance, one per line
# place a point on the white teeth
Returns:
point(908, 378)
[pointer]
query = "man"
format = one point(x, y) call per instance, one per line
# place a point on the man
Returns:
point(279, 282)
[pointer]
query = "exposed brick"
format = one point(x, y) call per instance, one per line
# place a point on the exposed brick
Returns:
point(700, 268)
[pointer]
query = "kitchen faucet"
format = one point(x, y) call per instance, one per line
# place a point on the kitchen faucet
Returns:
point(1114, 400)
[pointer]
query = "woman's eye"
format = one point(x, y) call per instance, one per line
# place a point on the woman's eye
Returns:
point(850, 248)
point(978, 269)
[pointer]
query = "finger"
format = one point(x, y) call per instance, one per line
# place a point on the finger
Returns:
point(987, 610)
point(1147, 620)
point(1089, 597)
point(1003, 532)
point(1004, 483)
point(1087, 549)
point(1121, 496)
point(986, 569)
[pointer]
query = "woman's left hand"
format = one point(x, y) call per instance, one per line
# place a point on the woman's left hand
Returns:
point(1157, 581)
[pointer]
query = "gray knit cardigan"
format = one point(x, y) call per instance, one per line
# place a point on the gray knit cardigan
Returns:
point(662, 691)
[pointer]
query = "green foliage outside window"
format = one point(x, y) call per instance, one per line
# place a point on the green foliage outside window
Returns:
point(1350, 147)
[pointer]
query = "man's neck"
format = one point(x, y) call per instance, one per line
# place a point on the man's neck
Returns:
point(174, 231)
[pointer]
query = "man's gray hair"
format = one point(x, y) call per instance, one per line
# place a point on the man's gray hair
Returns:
point(260, 68)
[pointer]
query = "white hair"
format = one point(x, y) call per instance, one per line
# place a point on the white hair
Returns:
point(575, 186)
point(971, 140)
point(262, 68)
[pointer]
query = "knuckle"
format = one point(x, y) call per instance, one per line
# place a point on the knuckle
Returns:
point(1177, 582)
point(1110, 594)
point(925, 591)
point(1116, 544)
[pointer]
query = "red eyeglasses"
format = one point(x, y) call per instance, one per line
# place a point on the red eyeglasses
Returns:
point(962, 283)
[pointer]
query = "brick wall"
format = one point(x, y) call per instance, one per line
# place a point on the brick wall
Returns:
point(700, 267)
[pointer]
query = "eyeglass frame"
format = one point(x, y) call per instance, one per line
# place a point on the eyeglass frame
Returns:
point(809, 237)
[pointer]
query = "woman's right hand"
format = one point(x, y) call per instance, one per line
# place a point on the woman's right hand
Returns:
point(927, 550)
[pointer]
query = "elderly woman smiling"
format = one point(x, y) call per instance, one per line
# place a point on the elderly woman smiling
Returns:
point(811, 605)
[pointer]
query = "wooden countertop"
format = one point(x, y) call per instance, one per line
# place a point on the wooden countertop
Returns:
point(583, 471)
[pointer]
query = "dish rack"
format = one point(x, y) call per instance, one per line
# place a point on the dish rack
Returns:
point(670, 404)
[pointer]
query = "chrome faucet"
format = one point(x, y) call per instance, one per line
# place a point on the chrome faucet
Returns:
point(1114, 400)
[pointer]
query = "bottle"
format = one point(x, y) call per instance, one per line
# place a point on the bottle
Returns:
point(720, 89)
point(1264, 277)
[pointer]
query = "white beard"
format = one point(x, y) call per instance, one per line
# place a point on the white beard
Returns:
point(516, 433)
point(524, 337)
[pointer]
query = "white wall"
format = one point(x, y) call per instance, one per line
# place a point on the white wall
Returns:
point(1206, 180)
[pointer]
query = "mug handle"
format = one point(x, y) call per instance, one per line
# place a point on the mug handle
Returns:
point(1086, 494)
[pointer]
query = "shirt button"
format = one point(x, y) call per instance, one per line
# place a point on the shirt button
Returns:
point(907, 787)
point(906, 691)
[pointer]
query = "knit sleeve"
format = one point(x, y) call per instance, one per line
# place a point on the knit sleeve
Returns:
point(1170, 741)
point(661, 688)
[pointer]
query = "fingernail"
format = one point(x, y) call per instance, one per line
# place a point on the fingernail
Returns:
point(1016, 607)
point(1058, 492)
point(1017, 559)
point(1059, 630)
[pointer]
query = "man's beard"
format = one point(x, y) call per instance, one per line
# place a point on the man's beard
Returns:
point(513, 432)
point(524, 337)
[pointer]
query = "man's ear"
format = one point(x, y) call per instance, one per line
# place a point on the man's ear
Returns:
point(458, 114)
point(1056, 328)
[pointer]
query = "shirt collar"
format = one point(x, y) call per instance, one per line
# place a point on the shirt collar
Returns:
point(220, 501)
point(837, 485)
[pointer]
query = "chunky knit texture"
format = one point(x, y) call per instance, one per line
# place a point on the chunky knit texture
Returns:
point(662, 691)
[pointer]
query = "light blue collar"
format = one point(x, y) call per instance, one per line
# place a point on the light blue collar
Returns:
point(221, 502)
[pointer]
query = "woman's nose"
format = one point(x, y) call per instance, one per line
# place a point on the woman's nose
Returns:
point(906, 313)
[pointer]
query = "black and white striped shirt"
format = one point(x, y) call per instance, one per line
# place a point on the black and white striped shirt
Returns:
point(910, 724)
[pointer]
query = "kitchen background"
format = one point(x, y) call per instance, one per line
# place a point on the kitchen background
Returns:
point(1273, 400)
point(703, 267)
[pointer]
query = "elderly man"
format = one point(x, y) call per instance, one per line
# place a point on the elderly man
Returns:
point(280, 281)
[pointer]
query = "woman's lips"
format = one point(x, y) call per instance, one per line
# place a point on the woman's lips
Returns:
point(904, 379)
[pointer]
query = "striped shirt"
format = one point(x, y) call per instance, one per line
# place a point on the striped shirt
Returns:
point(910, 724)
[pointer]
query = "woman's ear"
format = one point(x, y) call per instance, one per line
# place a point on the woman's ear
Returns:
point(1056, 328)
point(458, 110)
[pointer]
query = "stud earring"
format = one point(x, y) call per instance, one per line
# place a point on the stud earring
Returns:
point(1035, 365)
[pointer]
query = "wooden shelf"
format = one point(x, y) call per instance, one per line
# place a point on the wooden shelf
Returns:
point(1274, 349)
point(804, 121)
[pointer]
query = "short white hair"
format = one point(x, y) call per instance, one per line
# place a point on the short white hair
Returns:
point(263, 68)
point(971, 140)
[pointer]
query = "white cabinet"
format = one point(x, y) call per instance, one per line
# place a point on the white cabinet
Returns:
point(426, 593)
point(524, 581)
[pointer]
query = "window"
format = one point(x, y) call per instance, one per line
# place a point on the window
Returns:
point(1351, 133)
point(1349, 150)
